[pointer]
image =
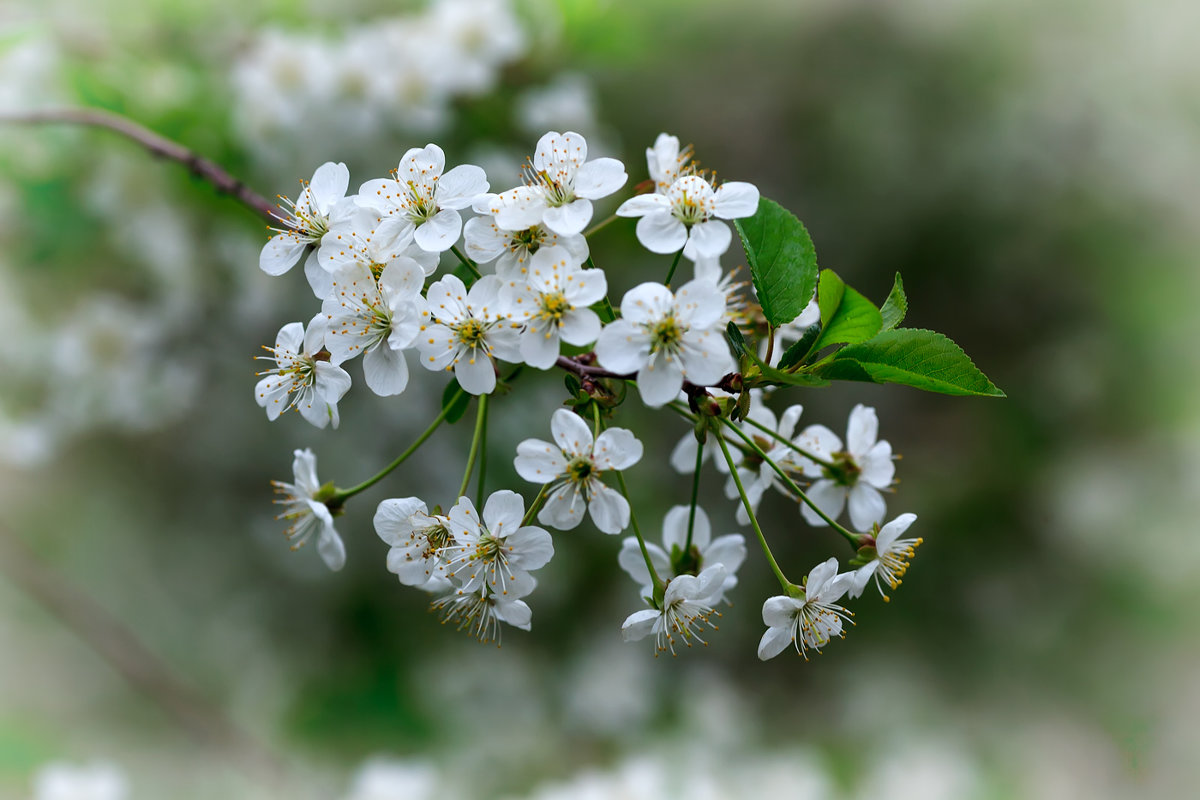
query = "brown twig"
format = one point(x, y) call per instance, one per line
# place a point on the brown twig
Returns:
point(121, 648)
point(199, 166)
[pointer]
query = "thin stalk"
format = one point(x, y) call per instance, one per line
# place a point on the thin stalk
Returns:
point(607, 314)
point(601, 225)
point(791, 484)
point(823, 462)
point(788, 586)
point(538, 502)
point(770, 343)
point(344, 494)
point(480, 419)
point(482, 464)
point(671, 271)
point(659, 586)
point(466, 261)
point(695, 493)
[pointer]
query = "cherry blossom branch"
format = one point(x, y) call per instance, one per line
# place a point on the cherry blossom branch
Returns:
point(158, 145)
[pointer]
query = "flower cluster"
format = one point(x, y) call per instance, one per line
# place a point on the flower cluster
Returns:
point(400, 274)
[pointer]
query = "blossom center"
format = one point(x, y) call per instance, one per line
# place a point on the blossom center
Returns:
point(580, 469)
point(666, 334)
point(470, 333)
point(843, 470)
point(554, 306)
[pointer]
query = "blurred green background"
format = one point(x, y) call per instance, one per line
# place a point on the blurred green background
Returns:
point(1031, 170)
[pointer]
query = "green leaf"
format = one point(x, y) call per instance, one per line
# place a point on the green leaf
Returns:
point(846, 316)
point(783, 261)
point(456, 400)
point(912, 357)
point(800, 348)
point(736, 340)
point(896, 305)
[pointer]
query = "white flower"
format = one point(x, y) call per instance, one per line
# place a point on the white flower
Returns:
point(552, 300)
point(892, 555)
point(560, 185)
point(709, 270)
point(807, 623)
point(481, 611)
point(687, 606)
point(351, 241)
point(666, 162)
point(465, 331)
point(309, 516)
point(487, 241)
point(95, 781)
point(575, 463)
point(729, 551)
point(377, 319)
point(858, 472)
point(306, 221)
point(757, 476)
point(417, 538)
point(300, 379)
point(422, 203)
point(689, 213)
point(667, 338)
point(494, 552)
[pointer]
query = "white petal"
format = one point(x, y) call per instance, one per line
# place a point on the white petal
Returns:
point(617, 448)
point(459, 186)
point(639, 624)
point(503, 512)
point(477, 374)
point(580, 327)
point(328, 185)
point(867, 506)
point(736, 199)
point(862, 430)
point(440, 233)
point(540, 349)
point(889, 533)
point(660, 380)
point(571, 432)
point(569, 219)
point(829, 497)
point(643, 204)
point(709, 239)
point(729, 550)
point(779, 611)
point(392, 518)
point(661, 232)
point(609, 510)
point(774, 642)
point(538, 461)
point(600, 178)
point(516, 613)
point(385, 370)
point(675, 526)
point(878, 468)
point(563, 509)
point(818, 576)
point(331, 549)
point(280, 253)
point(622, 347)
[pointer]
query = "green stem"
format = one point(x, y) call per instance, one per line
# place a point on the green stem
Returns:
point(601, 225)
point(607, 314)
point(791, 484)
point(823, 462)
point(538, 502)
point(468, 263)
point(695, 494)
point(659, 586)
point(345, 494)
point(480, 418)
point(482, 464)
point(671, 271)
point(690, 417)
point(770, 343)
point(788, 586)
